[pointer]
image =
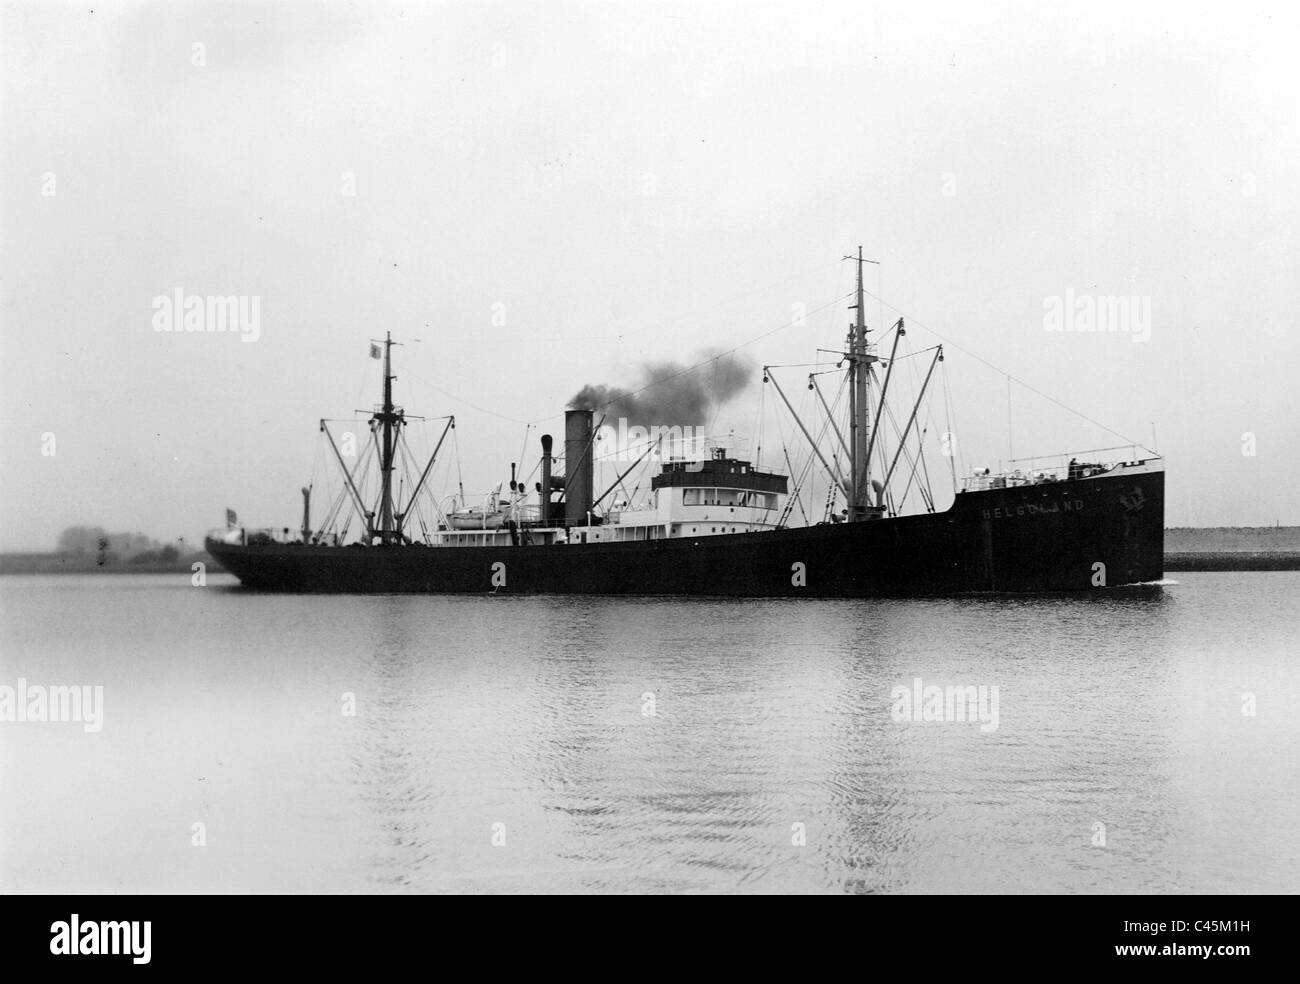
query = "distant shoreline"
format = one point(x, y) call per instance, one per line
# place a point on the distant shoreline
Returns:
point(1231, 561)
point(60, 563)
point(1233, 548)
point(1210, 548)
point(1232, 539)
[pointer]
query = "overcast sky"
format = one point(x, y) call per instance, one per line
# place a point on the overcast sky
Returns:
point(547, 195)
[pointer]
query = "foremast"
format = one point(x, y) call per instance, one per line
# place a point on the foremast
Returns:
point(860, 359)
point(389, 419)
point(865, 497)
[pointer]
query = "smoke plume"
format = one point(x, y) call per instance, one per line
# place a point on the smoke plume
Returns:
point(672, 393)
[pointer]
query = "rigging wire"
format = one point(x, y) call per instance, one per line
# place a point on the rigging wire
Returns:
point(460, 475)
point(452, 396)
point(833, 477)
point(950, 448)
point(902, 438)
point(804, 474)
point(927, 492)
point(912, 320)
point(796, 497)
point(798, 476)
point(757, 428)
point(717, 407)
point(712, 359)
point(1011, 447)
point(523, 447)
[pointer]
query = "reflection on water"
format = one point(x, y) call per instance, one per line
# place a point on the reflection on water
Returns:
point(684, 745)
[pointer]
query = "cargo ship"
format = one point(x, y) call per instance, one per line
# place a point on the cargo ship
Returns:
point(716, 524)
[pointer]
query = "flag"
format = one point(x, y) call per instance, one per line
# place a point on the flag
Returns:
point(375, 352)
point(231, 518)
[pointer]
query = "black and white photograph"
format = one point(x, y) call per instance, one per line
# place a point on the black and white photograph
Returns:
point(649, 448)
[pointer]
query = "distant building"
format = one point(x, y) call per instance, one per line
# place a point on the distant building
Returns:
point(81, 540)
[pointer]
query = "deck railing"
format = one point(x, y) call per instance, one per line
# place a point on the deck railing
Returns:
point(1062, 466)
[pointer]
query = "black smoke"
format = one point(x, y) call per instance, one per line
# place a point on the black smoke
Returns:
point(671, 393)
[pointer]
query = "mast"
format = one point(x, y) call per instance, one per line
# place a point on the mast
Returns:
point(389, 418)
point(860, 359)
point(852, 490)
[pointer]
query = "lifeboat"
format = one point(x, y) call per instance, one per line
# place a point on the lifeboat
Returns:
point(477, 519)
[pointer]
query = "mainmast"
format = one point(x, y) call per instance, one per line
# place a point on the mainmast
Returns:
point(860, 359)
point(389, 418)
point(865, 498)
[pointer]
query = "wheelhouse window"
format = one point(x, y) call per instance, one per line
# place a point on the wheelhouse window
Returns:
point(728, 497)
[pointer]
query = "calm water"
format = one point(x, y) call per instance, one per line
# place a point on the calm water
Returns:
point(525, 720)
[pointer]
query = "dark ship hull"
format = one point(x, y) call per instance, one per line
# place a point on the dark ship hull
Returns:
point(1072, 535)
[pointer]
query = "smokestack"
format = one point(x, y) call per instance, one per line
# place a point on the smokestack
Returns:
point(579, 473)
point(306, 514)
point(545, 488)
